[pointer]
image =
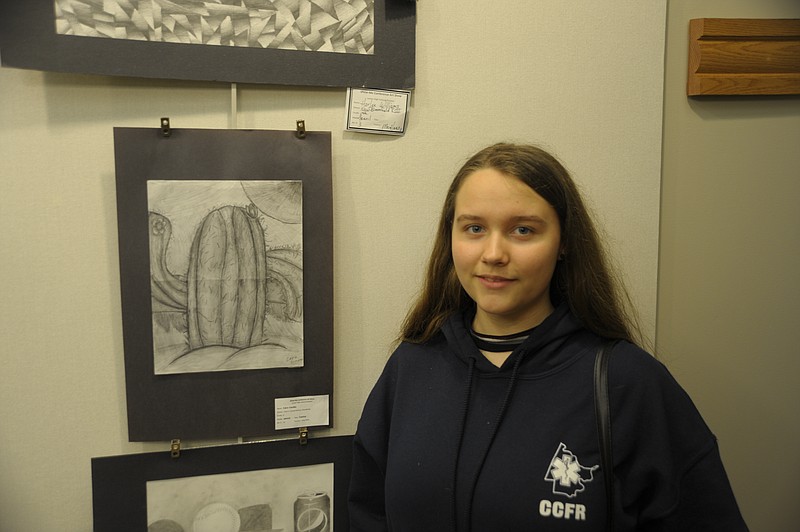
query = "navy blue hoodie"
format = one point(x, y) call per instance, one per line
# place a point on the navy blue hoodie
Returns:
point(449, 442)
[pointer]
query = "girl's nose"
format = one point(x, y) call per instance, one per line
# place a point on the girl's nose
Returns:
point(494, 251)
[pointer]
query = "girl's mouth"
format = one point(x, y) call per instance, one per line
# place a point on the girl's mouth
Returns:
point(494, 281)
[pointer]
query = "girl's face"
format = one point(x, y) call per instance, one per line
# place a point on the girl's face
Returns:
point(506, 241)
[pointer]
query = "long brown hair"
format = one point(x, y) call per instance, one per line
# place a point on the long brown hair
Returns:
point(583, 278)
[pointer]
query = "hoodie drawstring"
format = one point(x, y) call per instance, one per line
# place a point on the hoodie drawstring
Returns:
point(464, 410)
point(500, 416)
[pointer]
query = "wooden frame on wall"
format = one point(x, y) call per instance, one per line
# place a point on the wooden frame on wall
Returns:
point(743, 57)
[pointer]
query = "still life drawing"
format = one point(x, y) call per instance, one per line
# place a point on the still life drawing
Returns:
point(339, 26)
point(226, 275)
point(292, 499)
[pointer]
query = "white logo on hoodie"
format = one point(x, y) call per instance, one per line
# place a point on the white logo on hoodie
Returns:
point(567, 474)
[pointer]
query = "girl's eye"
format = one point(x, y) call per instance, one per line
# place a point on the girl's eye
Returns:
point(474, 229)
point(523, 231)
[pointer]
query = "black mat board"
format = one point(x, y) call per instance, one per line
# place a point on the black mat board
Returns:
point(227, 403)
point(119, 497)
point(28, 39)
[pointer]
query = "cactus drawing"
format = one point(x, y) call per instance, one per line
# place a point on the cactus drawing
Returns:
point(227, 280)
point(231, 296)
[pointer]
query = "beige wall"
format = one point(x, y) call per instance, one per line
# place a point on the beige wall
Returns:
point(548, 71)
point(729, 253)
point(589, 88)
point(729, 279)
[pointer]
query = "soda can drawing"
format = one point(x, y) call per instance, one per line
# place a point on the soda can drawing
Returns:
point(312, 512)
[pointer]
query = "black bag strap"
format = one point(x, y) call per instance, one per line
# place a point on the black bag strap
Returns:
point(602, 410)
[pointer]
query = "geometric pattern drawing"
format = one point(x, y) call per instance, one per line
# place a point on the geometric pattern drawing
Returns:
point(567, 474)
point(339, 26)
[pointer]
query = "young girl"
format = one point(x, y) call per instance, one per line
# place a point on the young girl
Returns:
point(483, 419)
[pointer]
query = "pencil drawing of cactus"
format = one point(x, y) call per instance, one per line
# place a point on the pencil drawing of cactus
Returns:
point(226, 275)
point(227, 280)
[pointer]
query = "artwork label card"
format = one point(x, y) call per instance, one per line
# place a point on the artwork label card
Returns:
point(381, 111)
point(296, 412)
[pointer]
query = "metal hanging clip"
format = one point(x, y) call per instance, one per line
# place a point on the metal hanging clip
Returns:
point(301, 129)
point(303, 435)
point(165, 130)
point(175, 448)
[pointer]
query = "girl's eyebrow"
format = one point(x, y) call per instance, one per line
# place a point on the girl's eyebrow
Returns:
point(532, 218)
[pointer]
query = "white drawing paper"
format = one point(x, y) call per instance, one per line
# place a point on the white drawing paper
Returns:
point(338, 26)
point(226, 275)
point(267, 500)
